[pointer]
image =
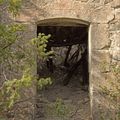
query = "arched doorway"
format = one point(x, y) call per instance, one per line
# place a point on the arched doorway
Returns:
point(69, 69)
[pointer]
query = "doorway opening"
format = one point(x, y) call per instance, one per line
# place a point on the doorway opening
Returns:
point(68, 68)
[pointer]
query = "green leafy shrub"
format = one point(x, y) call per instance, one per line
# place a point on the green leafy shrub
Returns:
point(41, 43)
point(58, 110)
point(10, 91)
point(43, 82)
point(15, 60)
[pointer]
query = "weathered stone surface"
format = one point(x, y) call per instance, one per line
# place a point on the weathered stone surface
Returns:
point(96, 1)
point(98, 58)
point(116, 55)
point(82, 0)
point(99, 36)
point(29, 31)
point(117, 14)
point(104, 39)
point(68, 10)
point(115, 46)
point(100, 104)
point(101, 108)
point(103, 14)
point(114, 25)
point(26, 15)
point(107, 1)
point(87, 12)
point(115, 40)
point(97, 77)
point(116, 4)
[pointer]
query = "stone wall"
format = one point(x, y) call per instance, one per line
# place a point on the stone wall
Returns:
point(103, 17)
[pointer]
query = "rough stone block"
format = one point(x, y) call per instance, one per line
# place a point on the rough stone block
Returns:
point(116, 4)
point(115, 40)
point(117, 14)
point(100, 64)
point(30, 31)
point(114, 25)
point(102, 14)
point(98, 59)
point(101, 108)
point(83, 0)
point(115, 46)
point(99, 73)
point(99, 36)
point(70, 9)
point(107, 1)
point(26, 15)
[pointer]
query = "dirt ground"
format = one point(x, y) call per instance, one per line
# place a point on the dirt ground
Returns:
point(71, 102)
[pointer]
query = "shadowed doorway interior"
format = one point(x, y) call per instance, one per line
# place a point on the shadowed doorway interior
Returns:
point(68, 97)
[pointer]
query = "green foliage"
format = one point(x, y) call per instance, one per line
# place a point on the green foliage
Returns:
point(8, 36)
point(13, 6)
point(42, 82)
point(60, 107)
point(16, 61)
point(59, 110)
point(16, 57)
point(41, 43)
point(10, 91)
point(1, 2)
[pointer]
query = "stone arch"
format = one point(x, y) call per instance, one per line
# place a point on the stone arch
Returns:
point(67, 21)
point(63, 22)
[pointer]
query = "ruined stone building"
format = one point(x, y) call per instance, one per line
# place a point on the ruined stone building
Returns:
point(100, 19)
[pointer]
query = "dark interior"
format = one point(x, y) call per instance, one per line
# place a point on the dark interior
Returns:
point(74, 39)
point(65, 35)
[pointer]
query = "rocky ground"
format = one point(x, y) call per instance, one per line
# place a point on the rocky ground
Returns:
point(70, 102)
